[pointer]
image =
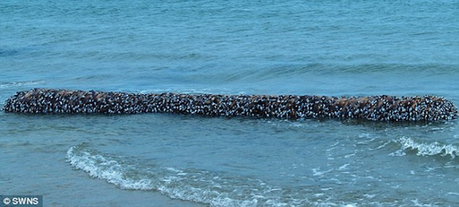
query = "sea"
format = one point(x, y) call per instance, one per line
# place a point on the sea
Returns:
point(272, 47)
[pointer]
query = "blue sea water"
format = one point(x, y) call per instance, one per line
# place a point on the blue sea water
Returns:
point(352, 48)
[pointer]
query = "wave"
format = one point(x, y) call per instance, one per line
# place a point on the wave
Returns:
point(352, 68)
point(316, 72)
point(426, 149)
point(186, 91)
point(214, 189)
point(210, 188)
point(20, 84)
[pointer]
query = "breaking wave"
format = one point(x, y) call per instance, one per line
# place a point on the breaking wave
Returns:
point(218, 188)
point(198, 186)
point(426, 149)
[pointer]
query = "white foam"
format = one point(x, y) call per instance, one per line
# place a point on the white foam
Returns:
point(382, 146)
point(110, 170)
point(184, 91)
point(369, 196)
point(20, 84)
point(198, 185)
point(190, 185)
point(317, 172)
point(174, 90)
point(453, 193)
point(427, 149)
point(343, 167)
point(365, 135)
point(417, 203)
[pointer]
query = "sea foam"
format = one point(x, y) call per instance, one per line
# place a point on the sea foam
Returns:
point(200, 186)
point(427, 149)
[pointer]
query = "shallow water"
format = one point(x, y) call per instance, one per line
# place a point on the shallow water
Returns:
point(237, 47)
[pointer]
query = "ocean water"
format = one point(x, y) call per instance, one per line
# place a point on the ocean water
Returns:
point(352, 48)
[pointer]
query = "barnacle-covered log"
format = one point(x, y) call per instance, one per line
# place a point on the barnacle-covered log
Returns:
point(377, 108)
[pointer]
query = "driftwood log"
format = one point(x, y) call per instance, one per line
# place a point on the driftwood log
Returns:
point(376, 108)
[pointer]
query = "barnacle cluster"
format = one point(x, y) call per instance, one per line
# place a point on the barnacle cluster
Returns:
point(377, 108)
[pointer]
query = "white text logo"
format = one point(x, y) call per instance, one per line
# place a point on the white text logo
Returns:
point(6, 201)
